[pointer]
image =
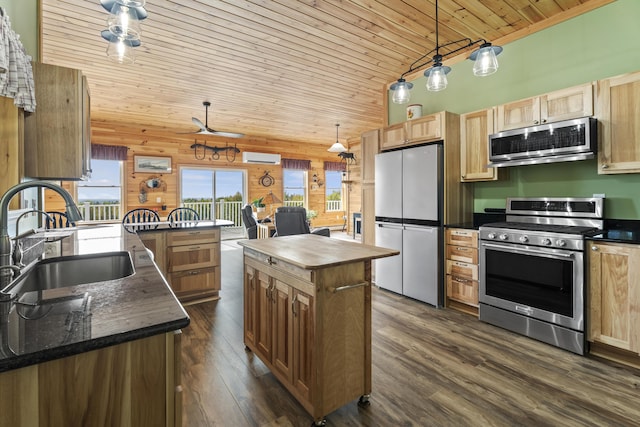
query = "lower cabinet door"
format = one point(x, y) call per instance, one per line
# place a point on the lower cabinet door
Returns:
point(303, 344)
point(195, 282)
point(282, 329)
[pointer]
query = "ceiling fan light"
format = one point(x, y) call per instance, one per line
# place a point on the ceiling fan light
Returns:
point(401, 91)
point(123, 22)
point(437, 77)
point(486, 62)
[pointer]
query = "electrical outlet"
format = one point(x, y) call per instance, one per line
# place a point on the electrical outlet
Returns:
point(598, 195)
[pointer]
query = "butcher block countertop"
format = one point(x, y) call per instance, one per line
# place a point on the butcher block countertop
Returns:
point(76, 319)
point(313, 252)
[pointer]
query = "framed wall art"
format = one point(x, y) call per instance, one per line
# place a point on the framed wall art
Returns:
point(152, 164)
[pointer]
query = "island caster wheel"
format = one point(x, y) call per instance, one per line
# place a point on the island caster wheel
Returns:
point(321, 423)
point(364, 402)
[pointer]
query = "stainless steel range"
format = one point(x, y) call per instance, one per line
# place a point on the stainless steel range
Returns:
point(532, 268)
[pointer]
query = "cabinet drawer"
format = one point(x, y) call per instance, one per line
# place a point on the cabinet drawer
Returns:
point(193, 237)
point(462, 253)
point(462, 269)
point(278, 264)
point(462, 237)
point(180, 258)
point(462, 290)
point(200, 280)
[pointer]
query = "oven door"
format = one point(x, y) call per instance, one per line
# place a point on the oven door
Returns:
point(542, 283)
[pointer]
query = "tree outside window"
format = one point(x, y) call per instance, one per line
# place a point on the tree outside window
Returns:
point(295, 187)
point(333, 186)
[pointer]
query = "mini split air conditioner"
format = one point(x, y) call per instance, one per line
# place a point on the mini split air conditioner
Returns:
point(261, 158)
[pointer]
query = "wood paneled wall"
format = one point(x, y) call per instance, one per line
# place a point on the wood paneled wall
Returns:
point(166, 143)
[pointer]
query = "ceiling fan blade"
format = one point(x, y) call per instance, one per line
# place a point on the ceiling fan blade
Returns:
point(198, 123)
point(227, 134)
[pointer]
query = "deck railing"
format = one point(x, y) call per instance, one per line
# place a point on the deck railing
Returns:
point(231, 211)
point(100, 212)
point(334, 205)
point(293, 203)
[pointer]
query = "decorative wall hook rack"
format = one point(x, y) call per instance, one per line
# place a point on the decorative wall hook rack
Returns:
point(203, 148)
point(153, 184)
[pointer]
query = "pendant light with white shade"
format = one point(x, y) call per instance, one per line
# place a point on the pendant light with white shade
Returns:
point(337, 147)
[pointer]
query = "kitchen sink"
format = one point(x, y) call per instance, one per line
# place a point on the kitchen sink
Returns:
point(61, 272)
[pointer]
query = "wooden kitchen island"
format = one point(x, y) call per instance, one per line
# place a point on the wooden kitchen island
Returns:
point(307, 316)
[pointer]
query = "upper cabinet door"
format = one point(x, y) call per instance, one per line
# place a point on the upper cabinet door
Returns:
point(566, 104)
point(393, 136)
point(369, 148)
point(518, 114)
point(617, 110)
point(424, 129)
point(475, 129)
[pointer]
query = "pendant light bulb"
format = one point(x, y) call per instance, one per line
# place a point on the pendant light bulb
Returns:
point(437, 77)
point(123, 22)
point(486, 62)
point(401, 91)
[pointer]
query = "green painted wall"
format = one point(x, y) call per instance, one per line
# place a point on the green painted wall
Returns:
point(593, 46)
point(24, 17)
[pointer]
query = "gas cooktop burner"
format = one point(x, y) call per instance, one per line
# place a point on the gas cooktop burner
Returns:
point(550, 228)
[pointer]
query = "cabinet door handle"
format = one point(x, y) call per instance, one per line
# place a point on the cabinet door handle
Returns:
point(347, 287)
point(293, 305)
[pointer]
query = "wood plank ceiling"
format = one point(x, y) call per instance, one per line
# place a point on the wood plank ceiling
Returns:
point(280, 69)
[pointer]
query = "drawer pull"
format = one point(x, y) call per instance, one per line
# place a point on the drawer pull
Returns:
point(194, 248)
point(194, 272)
point(461, 249)
point(270, 261)
point(346, 287)
point(459, 280)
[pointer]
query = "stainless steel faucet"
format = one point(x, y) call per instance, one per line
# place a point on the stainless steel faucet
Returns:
point(5, 241)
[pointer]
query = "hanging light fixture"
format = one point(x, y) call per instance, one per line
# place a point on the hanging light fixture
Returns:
point(485, 64)
point(337, 147)
point(123, 28)
point(119, 49)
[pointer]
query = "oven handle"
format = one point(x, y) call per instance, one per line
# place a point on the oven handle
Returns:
point(529, 251)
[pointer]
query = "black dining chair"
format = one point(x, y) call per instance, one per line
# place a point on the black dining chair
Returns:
point(58, 220)
point(183, 214)
point(140, 215)
point(293, 220)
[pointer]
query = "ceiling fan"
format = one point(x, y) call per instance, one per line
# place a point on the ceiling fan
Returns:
point(206, 130)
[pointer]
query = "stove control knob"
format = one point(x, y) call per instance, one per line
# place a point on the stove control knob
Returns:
point(561, 243)
point(491, 235)
point(523, 239)
point(546, 241)
point(503, 237)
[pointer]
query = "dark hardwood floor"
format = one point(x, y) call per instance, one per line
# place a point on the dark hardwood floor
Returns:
point(431, 367)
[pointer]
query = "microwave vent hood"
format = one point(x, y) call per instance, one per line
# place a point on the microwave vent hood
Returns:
point(564, 141)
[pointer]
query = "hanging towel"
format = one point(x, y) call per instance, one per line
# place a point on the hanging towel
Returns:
point(16, 73)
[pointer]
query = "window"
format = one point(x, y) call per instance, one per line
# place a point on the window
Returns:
point(100, 198)
point(333, 185)
point(295, 187)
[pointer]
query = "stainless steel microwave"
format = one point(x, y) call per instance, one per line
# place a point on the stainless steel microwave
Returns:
point(564, 141)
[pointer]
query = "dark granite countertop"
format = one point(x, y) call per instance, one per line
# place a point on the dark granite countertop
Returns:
point(619, 231)
point(40, 326)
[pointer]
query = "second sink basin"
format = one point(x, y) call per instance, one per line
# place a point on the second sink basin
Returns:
point(67, 271)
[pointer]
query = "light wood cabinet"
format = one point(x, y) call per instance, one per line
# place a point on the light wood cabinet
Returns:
point(618, 98)
point(311, 324)
point(462, 269)
point(564, 104)
point(475, 129)
point(155, 242)
point(369, 148)
point(423, 129)
point(136, 383)
point(57, 136)
point(189, 259)
point(614, 295)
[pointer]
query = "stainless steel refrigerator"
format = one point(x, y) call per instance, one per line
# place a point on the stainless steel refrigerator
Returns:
point(408, 209)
